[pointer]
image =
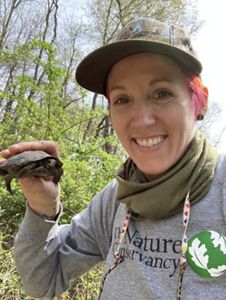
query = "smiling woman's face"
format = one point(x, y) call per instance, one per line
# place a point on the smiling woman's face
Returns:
point(151, 110)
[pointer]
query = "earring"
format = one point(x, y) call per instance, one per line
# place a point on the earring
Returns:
point(200, 117)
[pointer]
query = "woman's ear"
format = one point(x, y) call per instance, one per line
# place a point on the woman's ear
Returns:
point(205, 94)
point(204, 101)
point(202, 94)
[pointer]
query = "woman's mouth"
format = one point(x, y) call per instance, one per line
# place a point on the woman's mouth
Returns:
point(150, 142)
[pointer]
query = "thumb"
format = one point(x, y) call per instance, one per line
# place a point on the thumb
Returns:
point(27, 181)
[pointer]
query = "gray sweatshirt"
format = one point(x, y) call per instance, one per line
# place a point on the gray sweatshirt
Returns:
point(49, 255)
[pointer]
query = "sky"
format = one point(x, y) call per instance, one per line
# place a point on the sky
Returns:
point(211, 49)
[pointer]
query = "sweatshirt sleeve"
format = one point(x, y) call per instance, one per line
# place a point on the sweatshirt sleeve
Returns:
point(49, 255)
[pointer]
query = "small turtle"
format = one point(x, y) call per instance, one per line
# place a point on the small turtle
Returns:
point(31, 163)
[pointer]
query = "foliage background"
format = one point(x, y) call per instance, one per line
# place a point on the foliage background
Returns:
point(41, 43)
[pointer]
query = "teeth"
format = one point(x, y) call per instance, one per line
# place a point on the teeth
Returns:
point(150, 142)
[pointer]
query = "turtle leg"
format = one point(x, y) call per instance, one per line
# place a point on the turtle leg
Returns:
point(8, 180)
point(58, 175)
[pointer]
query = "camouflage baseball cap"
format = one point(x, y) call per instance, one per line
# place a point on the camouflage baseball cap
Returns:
point(138, 36)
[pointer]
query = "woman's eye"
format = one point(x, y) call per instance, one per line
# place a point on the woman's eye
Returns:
point(121, 100)
point(163, 94)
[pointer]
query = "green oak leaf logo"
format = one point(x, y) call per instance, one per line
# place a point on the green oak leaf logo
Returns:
point(206, 254)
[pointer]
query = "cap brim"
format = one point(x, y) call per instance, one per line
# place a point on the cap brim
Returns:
point(92, 72)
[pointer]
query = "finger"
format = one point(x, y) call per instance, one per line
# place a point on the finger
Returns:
point(37, 189)
point(50, 147)
point(5, 153)
point(29, 180)
point(2, 161)
point(37, 184)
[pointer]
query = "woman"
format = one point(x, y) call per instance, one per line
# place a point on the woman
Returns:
point(139, 223)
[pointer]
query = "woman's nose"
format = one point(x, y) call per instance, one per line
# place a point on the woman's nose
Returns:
point(143, 115)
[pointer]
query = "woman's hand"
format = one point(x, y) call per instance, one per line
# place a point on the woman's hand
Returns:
point(47, 146)
point(41, 193)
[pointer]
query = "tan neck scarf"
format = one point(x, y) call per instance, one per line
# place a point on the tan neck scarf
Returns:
point(165, 196)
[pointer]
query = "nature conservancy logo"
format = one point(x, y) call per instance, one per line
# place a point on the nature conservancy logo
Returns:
point(153, 252)
point(206, 253)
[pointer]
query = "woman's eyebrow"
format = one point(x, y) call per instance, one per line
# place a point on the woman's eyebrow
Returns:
point(152, 82)
point(159, 80)
point(117, 87)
